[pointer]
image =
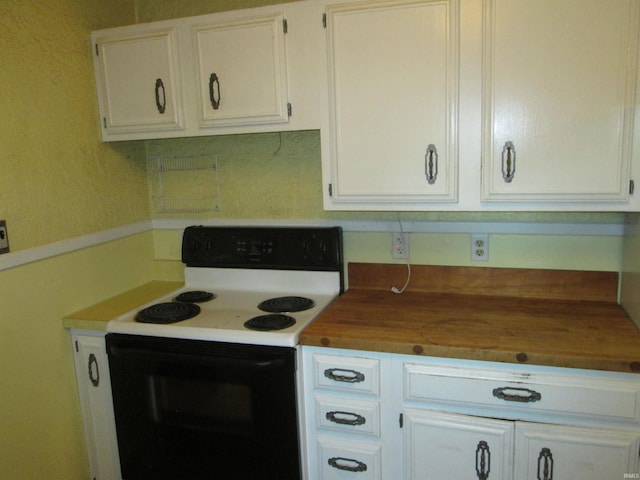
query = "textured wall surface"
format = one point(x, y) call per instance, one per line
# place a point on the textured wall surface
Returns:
point(57, 179)
point(151, 10)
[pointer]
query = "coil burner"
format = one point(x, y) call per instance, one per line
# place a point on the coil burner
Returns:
point(286, 304)
point(168, 312)
point(195, 296)
point(270, 322)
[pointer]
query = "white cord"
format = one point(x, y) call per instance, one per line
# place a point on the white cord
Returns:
point(396, 289)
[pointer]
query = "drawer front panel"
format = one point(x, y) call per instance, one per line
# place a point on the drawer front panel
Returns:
point(348, 415)
point(343, 460)
point(347, 374)
point(513, 392)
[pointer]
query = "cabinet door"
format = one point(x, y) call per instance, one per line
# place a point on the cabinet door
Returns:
point(92, 373)
point(442, 445)
point(393, 76)
point(558, 100)
point(551, 451)
point(242, 77)
point(138, 81)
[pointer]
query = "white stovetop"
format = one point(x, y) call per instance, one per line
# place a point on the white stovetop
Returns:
point(238, 292)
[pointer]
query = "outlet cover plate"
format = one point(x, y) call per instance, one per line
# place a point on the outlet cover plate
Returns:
point(479, 247)
point(400, 245)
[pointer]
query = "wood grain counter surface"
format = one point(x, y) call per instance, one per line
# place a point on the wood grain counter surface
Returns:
point(97, 316)
point(542, 317)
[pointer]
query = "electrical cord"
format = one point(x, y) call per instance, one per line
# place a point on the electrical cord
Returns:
point(406, 284)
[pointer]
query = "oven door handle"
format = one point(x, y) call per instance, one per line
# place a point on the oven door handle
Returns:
point(249, 363)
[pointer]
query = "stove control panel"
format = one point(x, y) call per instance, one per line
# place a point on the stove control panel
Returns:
point(284, 248)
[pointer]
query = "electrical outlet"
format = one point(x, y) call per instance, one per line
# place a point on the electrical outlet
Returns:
point(400, 245)
point(480, 247)
point(4, 237)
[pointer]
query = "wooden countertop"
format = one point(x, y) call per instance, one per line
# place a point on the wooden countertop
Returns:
point(542, 317)
point(97, 316)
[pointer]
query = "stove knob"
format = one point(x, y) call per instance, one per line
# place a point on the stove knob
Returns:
point(195, 246)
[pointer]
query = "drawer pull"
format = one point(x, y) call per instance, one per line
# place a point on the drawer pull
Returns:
point(93, 367)
point(161, 104)
point(508, 162)
point(511, 394)
point(351, 418)
point(214, 82)
point(545, 465)
point(342, 375)
point(347, 464)
point(483, 460)
point(431, 164)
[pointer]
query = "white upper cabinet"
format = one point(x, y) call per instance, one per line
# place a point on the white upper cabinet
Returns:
point(138, 81)
point(559, 85)
point(242, 71)
point(392, 101)
point(474, 105)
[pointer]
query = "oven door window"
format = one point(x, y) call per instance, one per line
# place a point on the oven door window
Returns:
point(204, 414)
point(211, 405)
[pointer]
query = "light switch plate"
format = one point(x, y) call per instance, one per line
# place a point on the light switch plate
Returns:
point(4, 237)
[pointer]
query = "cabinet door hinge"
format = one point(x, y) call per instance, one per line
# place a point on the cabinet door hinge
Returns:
point(289, 109)
point(77, 348)
point(324, 20)
point(632, 187)
point(285, 26)
point(97, 51)
point(401, 420)
point(104, 122)
point(331, 190)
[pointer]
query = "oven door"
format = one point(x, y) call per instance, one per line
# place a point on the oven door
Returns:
point(189, 409)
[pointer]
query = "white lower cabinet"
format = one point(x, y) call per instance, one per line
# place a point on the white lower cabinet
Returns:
point(443, 445)
point(371, 415)
point(94, 388)
point(346, 399)
point(558, 451)
point(482, 420)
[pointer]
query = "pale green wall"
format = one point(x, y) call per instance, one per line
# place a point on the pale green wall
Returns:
point(630, 295)
point(40, 426)
point(57, 181)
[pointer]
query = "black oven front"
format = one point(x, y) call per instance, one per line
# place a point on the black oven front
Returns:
point(191, 409)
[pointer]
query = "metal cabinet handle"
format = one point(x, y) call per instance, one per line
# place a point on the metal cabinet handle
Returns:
point(352, 418)
point(348, 376)
point(545, 465)
point(214, 93)
point(511, 394)
point(93, 366)
point(508, 162)
point(483, 460)
point(431, 164)
point(351, 465)
point(160, 104)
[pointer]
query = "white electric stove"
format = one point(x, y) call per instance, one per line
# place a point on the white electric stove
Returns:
point(249, 285)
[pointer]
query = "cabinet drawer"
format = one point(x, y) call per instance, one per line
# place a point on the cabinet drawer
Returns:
point(513, 393)
point(348, 415)
point(340, 459)
point(348, 374)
